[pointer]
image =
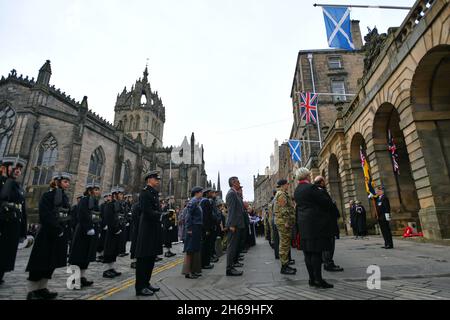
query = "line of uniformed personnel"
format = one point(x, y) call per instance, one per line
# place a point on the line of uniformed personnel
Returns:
point(73, 235)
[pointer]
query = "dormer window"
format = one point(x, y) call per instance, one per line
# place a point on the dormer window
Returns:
point(143, 99)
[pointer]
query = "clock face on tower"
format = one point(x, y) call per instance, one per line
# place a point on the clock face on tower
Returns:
point(7, 119)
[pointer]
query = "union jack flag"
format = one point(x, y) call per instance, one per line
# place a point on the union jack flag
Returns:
point(308, 107)
point(394, 155)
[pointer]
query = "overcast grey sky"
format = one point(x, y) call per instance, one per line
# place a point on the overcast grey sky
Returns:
point(224, 69)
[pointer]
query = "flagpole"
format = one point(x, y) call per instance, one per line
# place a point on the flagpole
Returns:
point(361, 6)
point(314, 91)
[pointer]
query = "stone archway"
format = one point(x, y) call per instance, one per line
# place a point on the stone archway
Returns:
point(430, 99)
point(335, 187)
point(399, 186)
point(359, 191)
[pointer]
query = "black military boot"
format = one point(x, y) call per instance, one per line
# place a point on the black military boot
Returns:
point(47, 294)
point(286, 270)
point(35, 295)
point(85, 282)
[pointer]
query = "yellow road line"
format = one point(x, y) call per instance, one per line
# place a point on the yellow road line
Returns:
point(130, 282)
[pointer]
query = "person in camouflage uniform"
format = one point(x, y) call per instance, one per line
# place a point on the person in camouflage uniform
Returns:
point(273, 228)
point(284, 220)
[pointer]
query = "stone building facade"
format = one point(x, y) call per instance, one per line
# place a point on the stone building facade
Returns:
point(52, 132)
point(326, 71)
point(405, 89)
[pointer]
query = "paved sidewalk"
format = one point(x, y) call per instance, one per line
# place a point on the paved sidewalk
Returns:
point(410, 271)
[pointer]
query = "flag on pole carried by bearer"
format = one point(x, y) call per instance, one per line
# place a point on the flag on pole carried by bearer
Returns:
point(295, 148)
point(338, 25)
point(370, 188)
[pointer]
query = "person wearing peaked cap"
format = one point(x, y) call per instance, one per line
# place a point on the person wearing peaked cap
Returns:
point(113, 214)
point(84, 243)
point(149, 239)
point(125, 219)
point(152, 174)
point(13, 217)
point(107, 198)
point(169, 222)
point(50, 247)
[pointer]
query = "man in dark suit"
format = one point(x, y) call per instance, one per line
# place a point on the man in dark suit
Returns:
point(235, 224)
point(384, 216)
point(149, 239)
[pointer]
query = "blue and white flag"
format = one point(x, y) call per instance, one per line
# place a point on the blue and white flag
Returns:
point(338, 25)
point(295, 147)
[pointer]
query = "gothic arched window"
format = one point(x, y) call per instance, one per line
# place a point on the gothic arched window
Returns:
point(143, 99)
point(45, 164)
point(137, 123)
point(7, 122)
point(131, 124)
point(96, 165)
point(125, 123)
point(126, 173)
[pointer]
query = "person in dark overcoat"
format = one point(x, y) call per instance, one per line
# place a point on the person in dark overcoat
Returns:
point(125, 221)
point(102, 226)
point(384, 218)
point(361, 220)
point(113, 214)
point(208, 225)
point(134, 229)
point(13, 217)
point(353, 219)
point(50, 246)
point(316, 223)
point(149, 240)
point(193, 224)
point(84, 243)
point(327, 255)
point(169, 223)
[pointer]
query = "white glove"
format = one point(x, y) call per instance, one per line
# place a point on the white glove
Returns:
point(170, 228)
point(91, 232)
point(370, 196)
point(127, 225)
point(119, 232)
point(61, 234)
point(105, 228)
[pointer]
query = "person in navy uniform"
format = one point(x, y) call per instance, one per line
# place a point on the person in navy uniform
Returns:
point(50, 247)
point(207, 230)
point(384, 216)
point(13, 217)
point(135, 216)
point(113, 212)
point(84, 243)
point(149, 239)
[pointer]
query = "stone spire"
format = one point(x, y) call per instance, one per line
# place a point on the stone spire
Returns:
point(44, 74)
point(218, 181)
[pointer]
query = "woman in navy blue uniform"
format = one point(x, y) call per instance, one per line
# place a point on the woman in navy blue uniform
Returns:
point(50, 247)
point(84, 243)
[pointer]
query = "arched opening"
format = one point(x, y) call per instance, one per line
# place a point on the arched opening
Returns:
point(46, 160)
point(96, 164)
point(7, 123)
point(126, 173)
point(137, 123)
point(335, 183)
point(143, 99)
point(395, 172)
point(358, 144)
point(430, 98)
point(131, 124)
point(125, 123)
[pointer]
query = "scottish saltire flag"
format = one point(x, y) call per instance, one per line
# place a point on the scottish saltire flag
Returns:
point(370, 188)
point(295, 147)
point(394, 155)
point(338, 25)
point(308, 106)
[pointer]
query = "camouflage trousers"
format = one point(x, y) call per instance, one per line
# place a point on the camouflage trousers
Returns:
point(285, 235)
